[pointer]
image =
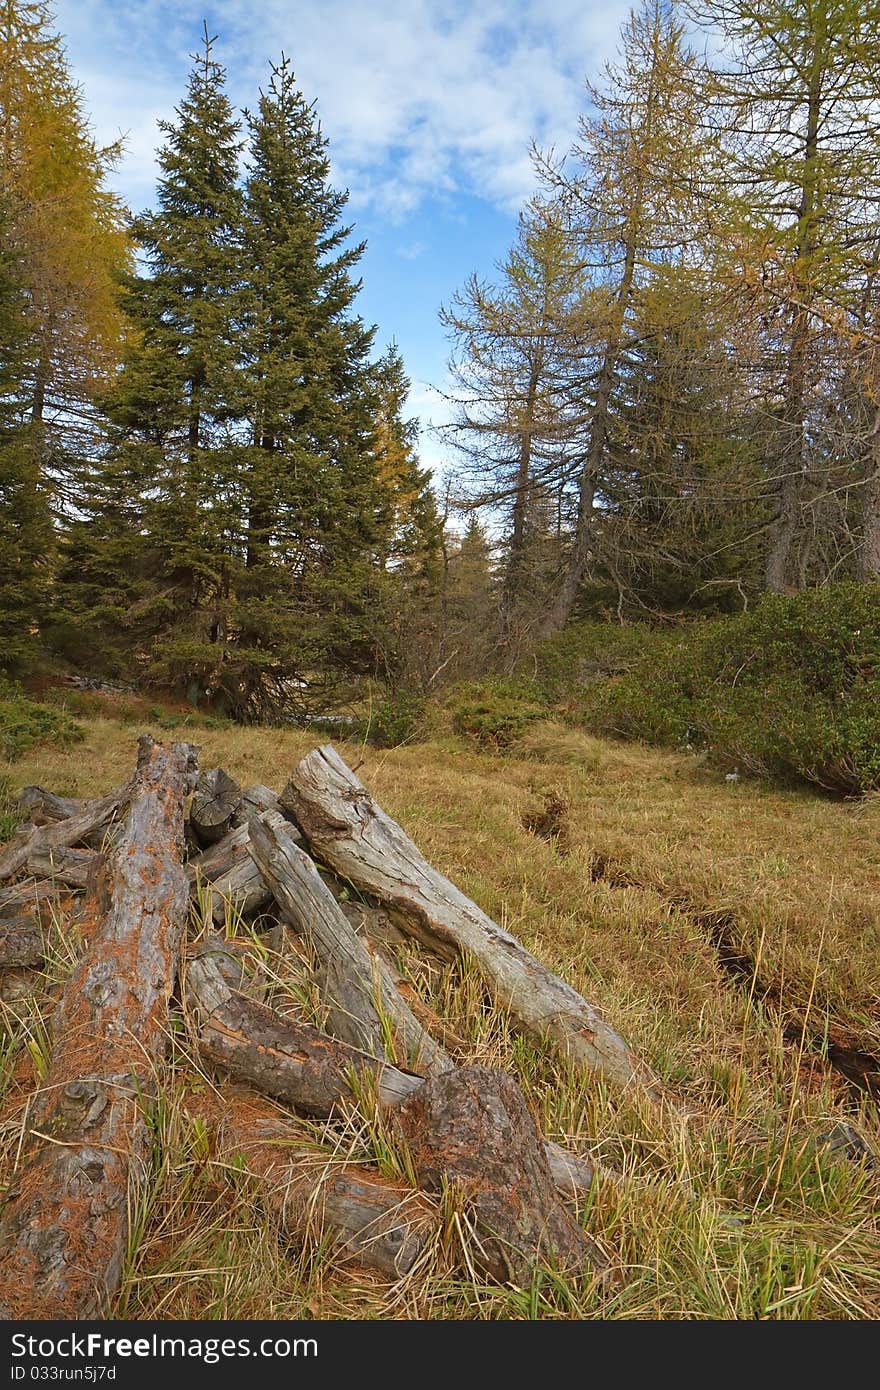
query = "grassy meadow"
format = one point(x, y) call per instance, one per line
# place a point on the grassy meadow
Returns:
point(729, 931)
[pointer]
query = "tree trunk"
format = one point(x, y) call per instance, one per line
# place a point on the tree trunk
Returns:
point(228, 874)
point(71, 867)
point(791, 455)
point(471, 1129)
point(871, 509)
point(72, 830)
point(379, 1225)
point(295, 1063)
point(216, 800)
point(352, 834)
point(357, 986)
point(65, 1222)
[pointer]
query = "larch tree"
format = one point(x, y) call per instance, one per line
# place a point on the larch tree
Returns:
point(516, 363)
point(71, 232)
point(25, 529)
point(796, 92)
point(634, 189)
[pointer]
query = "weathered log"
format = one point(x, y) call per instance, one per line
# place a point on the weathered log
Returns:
point(356, 985)
point(29, 893)
point(213, 863)
point(517, 1214)
point(64, 1225)
point(306, 1069)
point(233, 876)
point(215, 801)
point(70, 867)
point(289, 1061)
point(21, 941)
point(45, 808)
point(254, 800)
point(351, 833)
point(70, 831)
point(472, 1128)
point(380, 1225)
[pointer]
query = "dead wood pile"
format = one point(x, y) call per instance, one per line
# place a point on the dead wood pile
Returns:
point(135, 884)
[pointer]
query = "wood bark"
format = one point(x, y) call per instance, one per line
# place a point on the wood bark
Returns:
point(289, 1061)
point(254, 800)
point(380, 1225)
point(351, 833)
point(871, 508)
point(229, 874)
point(216, 799)
point(70, 867)
point(472, 1128)
point(70, 831)
point(306, 1069)
point(44, 807)
point(22, 941)
point(357, 987)
point(65, 1222)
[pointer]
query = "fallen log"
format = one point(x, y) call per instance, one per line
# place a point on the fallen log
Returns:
point(472, 1128)
point(213, 863)
point(70, 867)
point(215, 801)
point(289, 1061)
point(22, 943)
point(41, 839)
point(351, 833)
point(309, 1071)
point(44, 807)
point(254, 800)
point(360, 990)
point(518, 1219)
point(380, 1225)
point(229, 874)
point(65, 1221)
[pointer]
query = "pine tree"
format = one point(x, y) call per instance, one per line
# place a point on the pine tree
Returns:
point(316, 523)
point(155, 552)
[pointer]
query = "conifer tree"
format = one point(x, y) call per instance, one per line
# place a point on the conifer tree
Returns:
point(315, 521)
point(25, 530)
point(70, 231)
point(153, 557)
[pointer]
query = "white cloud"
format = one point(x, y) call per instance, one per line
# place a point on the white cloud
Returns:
point(418, 97)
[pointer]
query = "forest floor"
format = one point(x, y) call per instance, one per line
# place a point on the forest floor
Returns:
point(729, 931)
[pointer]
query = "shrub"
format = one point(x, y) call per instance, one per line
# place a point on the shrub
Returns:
point(396, 720)
point(790, 690)
point(24, 722)
point(494, 713)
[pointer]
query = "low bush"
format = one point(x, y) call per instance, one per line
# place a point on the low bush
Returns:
point(789, 691)
point(24, 722)
point(494, 713)
point(395, 720)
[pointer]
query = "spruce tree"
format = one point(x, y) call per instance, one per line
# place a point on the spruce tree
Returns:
point(314, 522)
point(155, 554)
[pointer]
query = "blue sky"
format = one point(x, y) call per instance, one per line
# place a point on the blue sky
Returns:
point(429, 105)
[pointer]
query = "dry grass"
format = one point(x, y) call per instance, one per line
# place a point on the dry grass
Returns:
point(739, 1214)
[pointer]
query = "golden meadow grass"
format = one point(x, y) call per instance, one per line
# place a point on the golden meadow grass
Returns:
point(735, 1214)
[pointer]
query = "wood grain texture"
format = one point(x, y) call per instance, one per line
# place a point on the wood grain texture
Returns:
point(356, 985)
point(351, 833)
point(65, 1221)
